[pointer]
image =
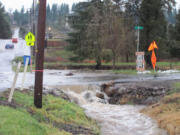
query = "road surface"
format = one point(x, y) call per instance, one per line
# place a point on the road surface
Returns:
point(6, 57)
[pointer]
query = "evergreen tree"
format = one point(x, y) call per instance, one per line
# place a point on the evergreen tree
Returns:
point(73, 7)
point(177, 27)
point(21, 18)
point(4, 24)
point(174, 33)
point(79, 22)
point(56, 16)
point(62, 16)
point(100, 27)
point(54, 12)
point(48, 14)
point(86, 41)
point(155, 26)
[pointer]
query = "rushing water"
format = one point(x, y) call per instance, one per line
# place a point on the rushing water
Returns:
point(122, 120)
point(116, 119)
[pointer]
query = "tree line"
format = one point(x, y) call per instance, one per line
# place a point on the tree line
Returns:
point(104, 29)
point(55, 16)
point(4, 24)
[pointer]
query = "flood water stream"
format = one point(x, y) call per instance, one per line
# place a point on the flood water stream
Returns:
point(122, 120)
point(115, 119)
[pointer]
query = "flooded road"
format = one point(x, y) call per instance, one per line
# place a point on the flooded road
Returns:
point(59, 77)
point(6, 57)
point(113, 119)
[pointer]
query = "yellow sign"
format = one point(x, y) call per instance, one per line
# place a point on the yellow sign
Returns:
point(30, 39)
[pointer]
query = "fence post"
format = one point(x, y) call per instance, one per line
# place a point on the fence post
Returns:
point(14, 82)
point(24, 75)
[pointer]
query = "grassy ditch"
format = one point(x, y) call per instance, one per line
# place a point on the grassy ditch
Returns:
point(167, 111)
point(57, 117)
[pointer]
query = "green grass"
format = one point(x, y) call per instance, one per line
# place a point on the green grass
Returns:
point(18, 123)
point(20, 59)
point(121, 64)
point(176, 88)
point(130, 72)
point(28, 120)
point(14, 67)
point(68, 64)
point(54, 53)
point(170, 65)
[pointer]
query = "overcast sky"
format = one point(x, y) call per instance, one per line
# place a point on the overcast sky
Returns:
point(17, 4)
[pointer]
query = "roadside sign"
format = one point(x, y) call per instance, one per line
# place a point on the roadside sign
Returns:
point(153, 46)
point(138, 27)
point(153, 59)
point(140, 62)
point(30, 39)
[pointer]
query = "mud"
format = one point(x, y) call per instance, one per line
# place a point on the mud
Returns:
point(74, 129)
point(145, 92)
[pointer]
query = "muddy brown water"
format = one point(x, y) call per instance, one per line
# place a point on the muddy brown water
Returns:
point(113, 119)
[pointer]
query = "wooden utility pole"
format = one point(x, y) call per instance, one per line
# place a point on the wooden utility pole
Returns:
point(14, 82)
point(40, 54)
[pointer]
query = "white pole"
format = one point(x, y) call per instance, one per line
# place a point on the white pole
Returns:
point(24, 75)
point(138, 42)
point(14, 82)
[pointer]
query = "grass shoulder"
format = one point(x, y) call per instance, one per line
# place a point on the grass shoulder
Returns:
point(129, 72)
point(167, 111)
point(57, 117)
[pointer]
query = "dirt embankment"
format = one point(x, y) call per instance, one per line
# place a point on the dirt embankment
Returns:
point(167, 113)
point(146, 93)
